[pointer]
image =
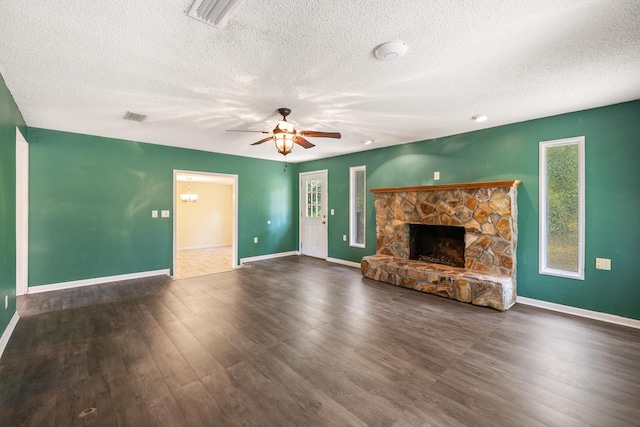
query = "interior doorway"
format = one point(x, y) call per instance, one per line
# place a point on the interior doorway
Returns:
point(205, 230)
point(313, 214)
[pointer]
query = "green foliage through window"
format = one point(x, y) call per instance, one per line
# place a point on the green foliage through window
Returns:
point(562, 207)
point(314, 198)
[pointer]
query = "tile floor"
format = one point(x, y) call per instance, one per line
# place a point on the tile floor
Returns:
point(198, 262)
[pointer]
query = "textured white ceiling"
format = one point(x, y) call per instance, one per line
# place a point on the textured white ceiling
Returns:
point(80, 66)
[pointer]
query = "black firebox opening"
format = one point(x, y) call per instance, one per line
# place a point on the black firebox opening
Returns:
point(440, 244)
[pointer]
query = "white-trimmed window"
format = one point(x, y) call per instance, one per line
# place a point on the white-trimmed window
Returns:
point(357, 202)
point(562, 205)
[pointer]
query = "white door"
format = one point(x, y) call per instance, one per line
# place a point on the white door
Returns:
point(313, 214)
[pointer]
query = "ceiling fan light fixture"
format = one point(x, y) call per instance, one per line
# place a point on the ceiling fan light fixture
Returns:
point(284, 143)
point(284, 135)
point(285, 126)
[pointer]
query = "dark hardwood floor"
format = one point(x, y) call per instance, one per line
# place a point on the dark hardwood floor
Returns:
point(300, 342)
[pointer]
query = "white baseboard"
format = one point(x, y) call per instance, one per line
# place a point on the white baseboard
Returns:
point(282, 254)
point(269, 256)
point(344, 262)
point(4, 339)
point(95, 281)
point(596, 315)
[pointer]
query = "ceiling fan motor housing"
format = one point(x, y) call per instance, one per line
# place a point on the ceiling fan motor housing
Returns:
point(284, 112)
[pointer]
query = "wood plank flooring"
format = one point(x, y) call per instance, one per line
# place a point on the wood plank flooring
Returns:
point(300, 342)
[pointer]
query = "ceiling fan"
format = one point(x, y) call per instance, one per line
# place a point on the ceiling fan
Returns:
point(285, 135)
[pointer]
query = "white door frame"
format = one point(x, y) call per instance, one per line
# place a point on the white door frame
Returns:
point(234, 196)
point(22, 214)
point(301, 208)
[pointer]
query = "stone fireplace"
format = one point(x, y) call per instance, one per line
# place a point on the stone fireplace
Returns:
point(457, 241)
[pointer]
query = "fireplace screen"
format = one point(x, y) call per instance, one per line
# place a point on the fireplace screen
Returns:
point(439, 244)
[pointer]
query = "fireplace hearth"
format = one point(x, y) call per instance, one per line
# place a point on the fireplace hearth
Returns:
point(457, 241)
point(439, 244)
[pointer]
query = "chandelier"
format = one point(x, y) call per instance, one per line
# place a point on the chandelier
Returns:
point(189, 197)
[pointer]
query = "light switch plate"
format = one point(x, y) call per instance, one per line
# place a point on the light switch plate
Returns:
point(154, 214)
point(603, 264)
point(165, 214)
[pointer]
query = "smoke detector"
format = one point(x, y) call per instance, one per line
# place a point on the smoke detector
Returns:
point(390, 51)
point(214, 12)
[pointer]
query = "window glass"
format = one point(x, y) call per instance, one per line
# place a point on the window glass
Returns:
point(314, 199)
point(358, 197)
point(562, 207)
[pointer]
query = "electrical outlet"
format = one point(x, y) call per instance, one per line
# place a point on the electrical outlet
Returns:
point(436, 176)
point(603, 264)
point(255, 240)
point(165, 214)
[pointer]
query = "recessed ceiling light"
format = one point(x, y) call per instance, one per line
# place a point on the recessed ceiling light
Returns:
point(480, 118)
point(367, 141)
point(390, 51)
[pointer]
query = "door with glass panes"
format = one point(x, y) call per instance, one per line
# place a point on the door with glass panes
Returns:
point(313, 214)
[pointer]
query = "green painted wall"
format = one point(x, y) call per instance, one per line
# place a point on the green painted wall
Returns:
point(612, 136)
point(10, 117)
point(91, 197)
point(90, 202)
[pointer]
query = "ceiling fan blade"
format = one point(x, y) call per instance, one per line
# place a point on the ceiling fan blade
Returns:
point(302, 142)
point(244, 130)
point(269, 138)
point(314, 134)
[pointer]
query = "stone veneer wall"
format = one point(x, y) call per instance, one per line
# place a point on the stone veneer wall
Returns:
point(488, 214)
point(487, 211)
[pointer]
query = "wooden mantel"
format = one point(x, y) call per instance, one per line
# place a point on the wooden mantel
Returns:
point(491, 184)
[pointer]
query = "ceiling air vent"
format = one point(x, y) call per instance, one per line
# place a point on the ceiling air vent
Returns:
point(214, 12)
point(135, 117)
